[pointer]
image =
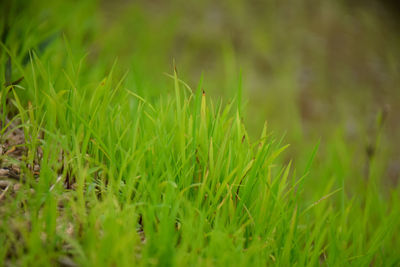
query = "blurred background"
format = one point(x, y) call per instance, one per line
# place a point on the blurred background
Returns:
point(325, 71)
point(315, 70)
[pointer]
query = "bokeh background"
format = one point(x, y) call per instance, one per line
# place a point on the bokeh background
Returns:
point(315, 70)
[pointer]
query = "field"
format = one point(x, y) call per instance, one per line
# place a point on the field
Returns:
point(212, 133)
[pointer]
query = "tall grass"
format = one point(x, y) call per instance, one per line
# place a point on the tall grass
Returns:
point(127, 179)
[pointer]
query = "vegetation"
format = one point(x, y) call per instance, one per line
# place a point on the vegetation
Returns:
point(104, 166)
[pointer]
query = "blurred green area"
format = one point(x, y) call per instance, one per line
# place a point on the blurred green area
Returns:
point(315, 70)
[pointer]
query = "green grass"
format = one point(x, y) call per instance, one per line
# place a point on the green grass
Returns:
point(136, 175)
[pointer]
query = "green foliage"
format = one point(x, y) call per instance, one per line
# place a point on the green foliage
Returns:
point(130, 178)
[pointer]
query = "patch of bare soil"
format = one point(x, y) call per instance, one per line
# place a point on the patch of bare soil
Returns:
point(12, 149)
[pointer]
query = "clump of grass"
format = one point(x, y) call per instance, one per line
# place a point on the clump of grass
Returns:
point(173, 180)
point(122, 179)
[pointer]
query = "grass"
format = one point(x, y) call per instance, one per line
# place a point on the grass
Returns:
point(108, 173)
